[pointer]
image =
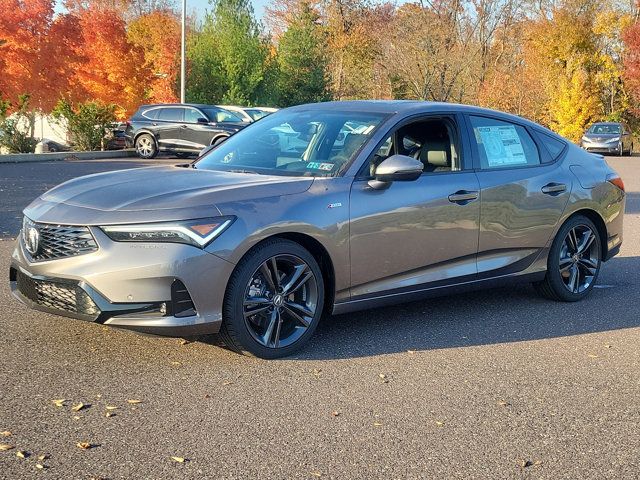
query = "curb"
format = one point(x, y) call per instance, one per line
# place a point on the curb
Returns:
point(49, 157)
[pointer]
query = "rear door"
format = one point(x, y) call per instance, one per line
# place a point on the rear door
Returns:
point(170, 127)
point(523, 193)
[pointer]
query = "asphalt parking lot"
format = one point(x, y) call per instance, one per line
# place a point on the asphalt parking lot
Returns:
point(495, 384)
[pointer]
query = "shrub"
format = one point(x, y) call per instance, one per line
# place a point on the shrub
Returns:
point(13, 136)
point(87, 123)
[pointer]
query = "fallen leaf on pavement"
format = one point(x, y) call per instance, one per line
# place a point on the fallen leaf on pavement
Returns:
point(607, 346)
point(525, 463)
point(43, 457)
point(39, 466)
point(21, 454)
point(84, 445)
point(134, 402)
point(4, 447)
point(59, 402)
point(109, 414)
point(411, 352)
point(6, 433)
point(591, 355)
point(184, 342)
point(377, 424)
point(316, 474)
point(227, 383)
point(78, 407)
point(178, 459)
point(502, 403)
point(538, 462)
point(440, 424)
point(335, 413)
point(175, 363)
point(111, 407)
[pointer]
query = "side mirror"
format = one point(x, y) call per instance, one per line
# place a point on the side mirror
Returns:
point(397, 168)
point(202, 120)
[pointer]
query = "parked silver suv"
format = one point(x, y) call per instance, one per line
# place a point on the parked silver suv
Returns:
point(323, 208)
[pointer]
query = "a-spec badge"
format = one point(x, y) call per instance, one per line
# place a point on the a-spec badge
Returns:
point(334, 205)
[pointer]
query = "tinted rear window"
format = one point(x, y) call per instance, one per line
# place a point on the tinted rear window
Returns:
point(171, 114)
point(152, 113)
point(553, 145)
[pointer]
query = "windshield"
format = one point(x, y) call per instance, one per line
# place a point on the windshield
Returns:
point(221, 115)
point(300, 143)
point(604, 129)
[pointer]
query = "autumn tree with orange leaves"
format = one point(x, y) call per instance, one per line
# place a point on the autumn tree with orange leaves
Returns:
point(37, 52)
point(157, 35)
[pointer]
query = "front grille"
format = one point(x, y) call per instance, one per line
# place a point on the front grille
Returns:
point(57, 241)
point(57, 295)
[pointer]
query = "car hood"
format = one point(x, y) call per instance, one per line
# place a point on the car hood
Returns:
point(155, 194)
point(600, 136)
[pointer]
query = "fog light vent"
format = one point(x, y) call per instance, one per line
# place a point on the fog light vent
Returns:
point(181, 303)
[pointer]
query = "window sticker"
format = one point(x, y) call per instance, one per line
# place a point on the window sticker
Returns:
point(321, 166)
point(502, 145)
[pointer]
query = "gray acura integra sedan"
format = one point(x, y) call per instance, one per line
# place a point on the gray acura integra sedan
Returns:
point(323, 208)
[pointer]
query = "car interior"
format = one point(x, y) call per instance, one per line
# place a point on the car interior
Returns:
point(432, 141)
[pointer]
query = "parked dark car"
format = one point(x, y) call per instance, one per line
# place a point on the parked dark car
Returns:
point(183, 129)
point(608, 138)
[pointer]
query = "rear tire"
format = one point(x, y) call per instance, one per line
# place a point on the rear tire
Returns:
point(574, 262)
point(146, 146)
point(274, 300)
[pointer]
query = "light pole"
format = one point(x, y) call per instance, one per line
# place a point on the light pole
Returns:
point(183, 51)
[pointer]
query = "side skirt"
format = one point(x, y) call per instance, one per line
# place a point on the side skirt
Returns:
point(425, 291)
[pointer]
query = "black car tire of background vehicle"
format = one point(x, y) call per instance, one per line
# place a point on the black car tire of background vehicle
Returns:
point(146, 146)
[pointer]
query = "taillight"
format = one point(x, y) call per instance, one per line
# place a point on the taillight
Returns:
point(615, 179)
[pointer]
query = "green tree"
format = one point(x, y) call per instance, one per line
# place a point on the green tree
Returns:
point(228, 56)
point(302, 60)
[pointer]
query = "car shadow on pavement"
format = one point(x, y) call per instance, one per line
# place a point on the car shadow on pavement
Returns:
point(486, 317)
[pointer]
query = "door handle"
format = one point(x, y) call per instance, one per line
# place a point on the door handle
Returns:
point(183, 126)
point(462, 197)
point(554, 188)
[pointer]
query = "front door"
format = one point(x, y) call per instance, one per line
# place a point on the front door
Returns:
point(421, 233)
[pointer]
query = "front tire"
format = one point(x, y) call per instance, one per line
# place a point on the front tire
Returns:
point(574, 261)
point(146, 146)
point(274, 300)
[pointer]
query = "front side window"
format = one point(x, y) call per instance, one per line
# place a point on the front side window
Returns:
point(502, 144)
point(299, 143)
point(191, 115)
point(220, 115)
point(172, 114)
point(432, 141)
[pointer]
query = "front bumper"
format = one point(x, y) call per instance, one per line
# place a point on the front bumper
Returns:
point(601, 147)
point(127, 285)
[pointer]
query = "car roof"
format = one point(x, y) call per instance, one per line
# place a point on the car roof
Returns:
point(197, 105)
point(606, 123)
point(408, 107)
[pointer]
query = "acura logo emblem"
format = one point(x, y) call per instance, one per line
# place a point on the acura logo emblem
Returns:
point(32, 240)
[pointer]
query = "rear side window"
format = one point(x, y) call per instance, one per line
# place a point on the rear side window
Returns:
point(152, 113)
point(503, 144)
point(553, 145)
point(171, 114)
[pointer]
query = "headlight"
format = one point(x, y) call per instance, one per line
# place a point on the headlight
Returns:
point(198, 233)
point(613, 140)
point(586, 139)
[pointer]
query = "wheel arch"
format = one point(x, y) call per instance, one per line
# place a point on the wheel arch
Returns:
point(598, 221)
point(142, 132)
point(218, 137)
point(319, 253)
